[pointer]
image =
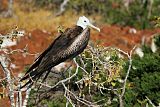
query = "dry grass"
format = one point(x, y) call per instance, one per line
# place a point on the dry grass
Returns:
point(39, 19)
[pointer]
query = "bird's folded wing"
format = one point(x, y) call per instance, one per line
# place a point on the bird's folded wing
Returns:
point(60, 43)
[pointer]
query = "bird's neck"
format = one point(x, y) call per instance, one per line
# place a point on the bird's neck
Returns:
point(78, 28)
point(74, 31)
point(82, 26)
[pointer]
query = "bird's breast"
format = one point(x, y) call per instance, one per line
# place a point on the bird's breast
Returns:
point(78, 44)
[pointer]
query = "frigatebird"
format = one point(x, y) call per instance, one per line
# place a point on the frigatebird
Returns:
point(67, 45)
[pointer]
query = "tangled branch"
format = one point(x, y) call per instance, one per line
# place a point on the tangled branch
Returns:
point(103, 74)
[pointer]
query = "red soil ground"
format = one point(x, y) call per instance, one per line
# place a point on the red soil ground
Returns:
point(120, 37)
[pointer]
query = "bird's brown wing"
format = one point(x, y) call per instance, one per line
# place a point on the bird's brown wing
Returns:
point(41, 56)
point(54, 56)
point(49, 57)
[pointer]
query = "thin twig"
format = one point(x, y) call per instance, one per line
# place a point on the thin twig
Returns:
point(26, 98)
point(126, 77)
point(62, 7)
point(128, 71)
point(150, 102)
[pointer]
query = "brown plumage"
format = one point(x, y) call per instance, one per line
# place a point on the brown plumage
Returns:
point(68, 45)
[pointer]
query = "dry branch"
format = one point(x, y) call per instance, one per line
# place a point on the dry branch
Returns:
point(62, 8)
point(4, 65)
point(71, 96)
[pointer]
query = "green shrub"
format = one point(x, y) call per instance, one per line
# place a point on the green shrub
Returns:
point(144, 79)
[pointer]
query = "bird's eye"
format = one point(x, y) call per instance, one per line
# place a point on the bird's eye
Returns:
point(85, 21)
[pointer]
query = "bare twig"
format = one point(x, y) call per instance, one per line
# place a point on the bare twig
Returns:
point(88, 78)
point(150, 8)
point(68, 93)
point(9, 79)
point(62, 7)
point(62, 81)
point(150, 102)
point(26, 98)
point(5, 61)
point(128, 71)
point(23, 51)
point(126, 77)
point(2, 79)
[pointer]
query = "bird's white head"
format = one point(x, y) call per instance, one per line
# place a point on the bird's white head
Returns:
point(84, 22)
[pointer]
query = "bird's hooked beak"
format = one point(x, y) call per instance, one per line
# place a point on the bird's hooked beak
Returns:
point(94, 27)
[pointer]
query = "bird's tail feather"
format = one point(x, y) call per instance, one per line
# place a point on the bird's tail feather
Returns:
point(46, 75)
point(31, 77)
